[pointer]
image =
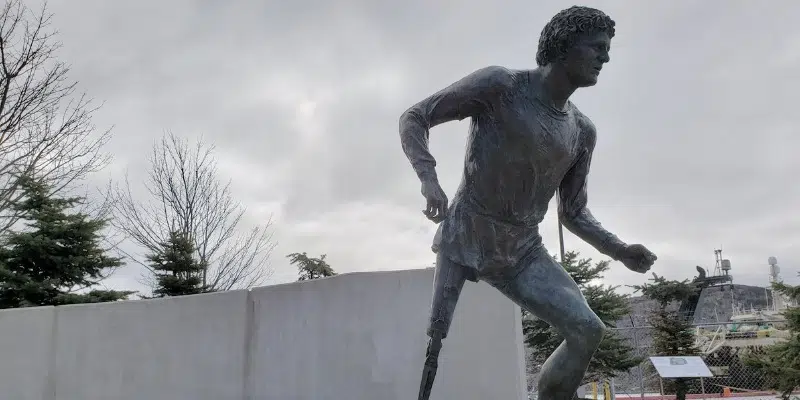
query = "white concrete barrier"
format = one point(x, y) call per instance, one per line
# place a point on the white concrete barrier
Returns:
point(361, 336)
point(357, 336)
point(178, 348)
point(26, 340)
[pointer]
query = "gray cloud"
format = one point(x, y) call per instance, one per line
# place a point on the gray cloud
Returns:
point(695, 116)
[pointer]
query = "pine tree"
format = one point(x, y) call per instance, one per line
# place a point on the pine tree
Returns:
point(780, 362)
point(614, 354)
point(177, 271)
point(310, 267)
point(56, 255)
point(672, 332)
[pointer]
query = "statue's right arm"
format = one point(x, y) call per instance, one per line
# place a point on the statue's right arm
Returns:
point(472, 95)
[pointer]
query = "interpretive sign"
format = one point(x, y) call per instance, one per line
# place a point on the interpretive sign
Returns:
point(681, 367)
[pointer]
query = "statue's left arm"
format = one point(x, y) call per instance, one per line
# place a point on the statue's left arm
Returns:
point(573, 199)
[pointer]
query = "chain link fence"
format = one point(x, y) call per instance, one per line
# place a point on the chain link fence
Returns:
point(723, 347)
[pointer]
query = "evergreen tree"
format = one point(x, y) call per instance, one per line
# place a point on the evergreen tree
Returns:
point(57, 255)
point(780, 362)
point(672, 332)
point(177, 271)
point(310, 267)
point(614, 354)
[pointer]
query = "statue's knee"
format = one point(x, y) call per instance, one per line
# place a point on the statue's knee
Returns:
point(589, 334)
point(595, 330)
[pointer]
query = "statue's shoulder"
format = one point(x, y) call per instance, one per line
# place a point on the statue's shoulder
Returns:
point(585, 124)
point(496, 77)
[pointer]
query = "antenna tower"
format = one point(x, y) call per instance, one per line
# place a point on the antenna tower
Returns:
point(723, 266)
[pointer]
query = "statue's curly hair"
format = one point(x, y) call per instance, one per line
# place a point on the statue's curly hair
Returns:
point(564, 28)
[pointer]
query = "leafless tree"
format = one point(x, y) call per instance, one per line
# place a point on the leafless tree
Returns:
point(185, 195)
point(46, 128)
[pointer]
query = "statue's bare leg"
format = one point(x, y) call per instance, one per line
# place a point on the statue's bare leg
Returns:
point(543, 288)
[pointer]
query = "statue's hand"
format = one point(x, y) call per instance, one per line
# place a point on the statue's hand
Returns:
point(637, 258)
point(436, 199)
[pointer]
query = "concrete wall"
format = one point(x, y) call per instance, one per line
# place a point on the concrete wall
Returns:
point(26, 350)
point(362, 336)
point(355, 336)
point(189, 347)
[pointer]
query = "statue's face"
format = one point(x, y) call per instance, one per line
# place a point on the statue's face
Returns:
point(585, 59)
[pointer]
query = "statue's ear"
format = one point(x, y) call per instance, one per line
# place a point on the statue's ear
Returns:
point(562, 51)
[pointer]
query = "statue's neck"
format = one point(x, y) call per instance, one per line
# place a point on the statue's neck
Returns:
point(553, 86)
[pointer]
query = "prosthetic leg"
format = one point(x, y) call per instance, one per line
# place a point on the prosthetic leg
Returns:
point(448, 281)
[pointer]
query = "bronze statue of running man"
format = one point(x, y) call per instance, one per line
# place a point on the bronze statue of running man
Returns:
point(527, 142)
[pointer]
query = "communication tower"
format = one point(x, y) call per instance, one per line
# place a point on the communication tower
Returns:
point(774, 270)
point(778, 301)
point(723, 266)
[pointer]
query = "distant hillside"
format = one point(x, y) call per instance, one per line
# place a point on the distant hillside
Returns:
point(715, 305)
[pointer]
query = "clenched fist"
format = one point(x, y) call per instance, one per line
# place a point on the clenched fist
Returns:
point(637, 258)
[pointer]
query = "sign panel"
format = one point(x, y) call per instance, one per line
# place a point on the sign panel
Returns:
point(681, 367)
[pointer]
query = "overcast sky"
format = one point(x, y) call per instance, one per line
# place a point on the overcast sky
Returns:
point(696, 116)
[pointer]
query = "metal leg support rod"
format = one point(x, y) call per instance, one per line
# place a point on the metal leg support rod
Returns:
point(431, 365)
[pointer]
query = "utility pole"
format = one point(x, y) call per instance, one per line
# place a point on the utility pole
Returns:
point(560, 227)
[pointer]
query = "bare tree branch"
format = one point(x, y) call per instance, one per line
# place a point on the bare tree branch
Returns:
point(45, 130)
point(186, 196)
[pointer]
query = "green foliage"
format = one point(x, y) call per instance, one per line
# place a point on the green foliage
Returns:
point(614, 355)
point(666, 291)
point(310, 267)
point(780, 362)
point(672, 332)
point(94, 296)
point(55, 256)
point(177, 271)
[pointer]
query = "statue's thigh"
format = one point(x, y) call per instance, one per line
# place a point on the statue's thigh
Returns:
point(543, 288)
